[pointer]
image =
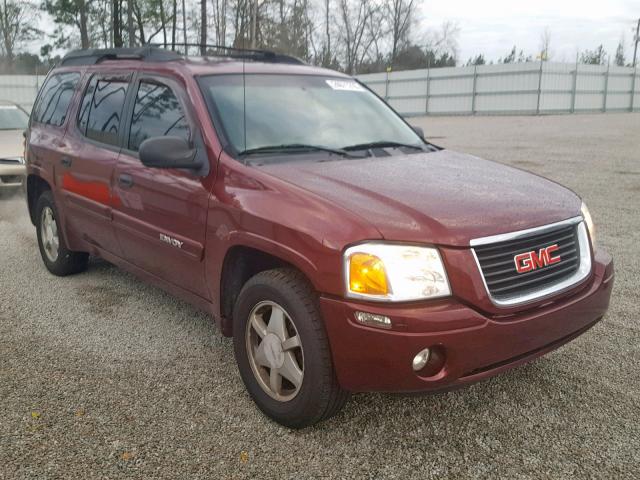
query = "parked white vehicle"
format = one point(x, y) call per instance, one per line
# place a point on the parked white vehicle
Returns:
point(13, 121)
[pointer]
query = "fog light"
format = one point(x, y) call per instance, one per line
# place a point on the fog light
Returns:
point(420, 360)
point(373, 320)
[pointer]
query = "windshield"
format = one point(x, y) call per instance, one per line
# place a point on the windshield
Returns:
point(285, 110)
point(12, 118)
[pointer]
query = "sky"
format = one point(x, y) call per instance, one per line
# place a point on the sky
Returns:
point(492, 27)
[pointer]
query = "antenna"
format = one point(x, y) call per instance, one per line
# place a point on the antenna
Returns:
point(244, 98)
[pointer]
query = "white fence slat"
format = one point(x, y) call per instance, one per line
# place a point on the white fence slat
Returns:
point(521, 88)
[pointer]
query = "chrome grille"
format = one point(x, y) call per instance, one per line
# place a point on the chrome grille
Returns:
point(496, 260)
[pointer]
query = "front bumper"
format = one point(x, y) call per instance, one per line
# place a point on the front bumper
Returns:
point(12, 176)
point(476, 345)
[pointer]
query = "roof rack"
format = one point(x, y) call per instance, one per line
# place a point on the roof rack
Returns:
point(97, 55)
point(258, 55)
point(154, 52)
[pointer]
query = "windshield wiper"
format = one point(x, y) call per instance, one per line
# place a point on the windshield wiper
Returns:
point(381, 144)
point(297, 147)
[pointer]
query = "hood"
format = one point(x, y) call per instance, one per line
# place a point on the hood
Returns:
point(444, 197)
point(11, 143)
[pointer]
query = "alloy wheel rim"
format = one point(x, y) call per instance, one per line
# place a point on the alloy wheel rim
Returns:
point(49, 234)
point(275, 351)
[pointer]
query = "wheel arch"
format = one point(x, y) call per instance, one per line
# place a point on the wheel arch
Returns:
point(35, 186)
point(241, 262)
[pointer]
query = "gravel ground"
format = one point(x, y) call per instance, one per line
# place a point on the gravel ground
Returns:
point(102, 376)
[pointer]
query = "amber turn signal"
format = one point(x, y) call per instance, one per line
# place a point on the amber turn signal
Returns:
point(367, 275)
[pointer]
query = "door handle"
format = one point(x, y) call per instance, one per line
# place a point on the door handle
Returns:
point(125, 180)
point(66, 162)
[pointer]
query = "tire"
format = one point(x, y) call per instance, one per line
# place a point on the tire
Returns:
point(318, 395)
point(57, 258)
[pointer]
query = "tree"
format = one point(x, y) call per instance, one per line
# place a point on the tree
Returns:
point(45, 52)
point(220, 20)
point(409, 57)
point(203, 26)
point(140, 20)
point(101, 23)
point(545, 41)
point(327, 57)
point(522, 58)
point(620, 59)
point(70, 13)
point(16, 26)
point(184, 27)
point(510, 58)
point(285, 26)
point(150, 21)
point(594, 57)
point(478, 60)
point(240, 18)
point(116, 16)
point(443, 43)
point(27, 63)
point(400, 15)
point(357, 31)
point(349, 35)
point(439, 60)
point(131, 36)
point(174, 19)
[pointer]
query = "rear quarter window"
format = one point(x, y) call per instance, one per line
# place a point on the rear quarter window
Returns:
point(54, 99)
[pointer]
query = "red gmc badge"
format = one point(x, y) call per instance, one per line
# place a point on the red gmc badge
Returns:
point(528, 261)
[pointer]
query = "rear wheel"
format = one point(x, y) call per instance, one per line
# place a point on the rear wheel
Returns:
point(282, 350)
point(56, 257)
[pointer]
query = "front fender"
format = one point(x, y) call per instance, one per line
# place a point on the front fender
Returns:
point(251, 208)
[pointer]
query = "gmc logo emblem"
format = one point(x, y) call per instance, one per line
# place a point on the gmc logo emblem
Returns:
point(528, 261)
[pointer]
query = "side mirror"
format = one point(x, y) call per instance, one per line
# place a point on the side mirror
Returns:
point(419, 131)
point(168, 152)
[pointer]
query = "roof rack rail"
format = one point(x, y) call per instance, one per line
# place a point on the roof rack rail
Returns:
point(235, 52)
point(97, 55)
point(154, 52)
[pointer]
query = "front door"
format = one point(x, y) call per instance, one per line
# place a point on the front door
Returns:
point(160, 214)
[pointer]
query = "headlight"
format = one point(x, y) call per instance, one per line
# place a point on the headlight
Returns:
point(394, 273)
point(589, 222)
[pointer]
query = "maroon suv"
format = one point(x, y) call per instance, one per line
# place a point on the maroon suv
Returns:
point(342, 251)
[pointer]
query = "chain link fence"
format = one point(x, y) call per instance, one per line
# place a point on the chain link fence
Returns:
point(508, 89)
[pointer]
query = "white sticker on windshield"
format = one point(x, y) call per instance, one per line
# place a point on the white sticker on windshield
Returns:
point(347, 85)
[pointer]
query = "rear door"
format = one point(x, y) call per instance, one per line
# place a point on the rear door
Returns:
point(85, 172)
point(160, 214)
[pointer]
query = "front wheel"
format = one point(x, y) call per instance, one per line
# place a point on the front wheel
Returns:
point(282, 349)
point(57, 258)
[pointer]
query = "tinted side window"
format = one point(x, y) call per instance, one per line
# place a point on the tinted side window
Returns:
point(55, 97)
point(101, 110)
point(85, 106)
point(156, 113)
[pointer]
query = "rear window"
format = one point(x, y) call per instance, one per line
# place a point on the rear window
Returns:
point(55, 97)
point(101, 110)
